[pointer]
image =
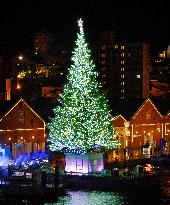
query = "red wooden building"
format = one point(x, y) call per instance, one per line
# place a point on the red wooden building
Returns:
point(147, 126)
point(22, 129)
point(167, 132)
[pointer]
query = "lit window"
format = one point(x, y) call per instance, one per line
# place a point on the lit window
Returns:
point(137, 76)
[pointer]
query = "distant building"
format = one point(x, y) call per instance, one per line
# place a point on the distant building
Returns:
point(124, 68)
point(42, 43)
point(168, 52)
point(160, 75)
point(46, 67)
point(50, 50)
point(107, 63)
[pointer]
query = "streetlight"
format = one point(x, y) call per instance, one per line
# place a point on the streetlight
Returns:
point(20, 57)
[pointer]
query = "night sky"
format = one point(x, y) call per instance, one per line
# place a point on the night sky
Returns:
point(138, 20)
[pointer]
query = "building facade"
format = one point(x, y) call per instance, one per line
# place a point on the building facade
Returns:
point(22, 129)
point(124, 67)
point(147, 127)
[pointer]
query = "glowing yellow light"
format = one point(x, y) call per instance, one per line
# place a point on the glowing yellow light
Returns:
point(18, 86)
point(20, 57)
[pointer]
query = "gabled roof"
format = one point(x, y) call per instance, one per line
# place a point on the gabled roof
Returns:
point(119, 116)
point(12, 107)
point(163, 105)
point(167, 115)
point(143, 104)
point(125, 107)
point(128, 107)
point(119, 121)
point(42, 107)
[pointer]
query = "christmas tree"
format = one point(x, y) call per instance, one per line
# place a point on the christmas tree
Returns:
point(83, 119)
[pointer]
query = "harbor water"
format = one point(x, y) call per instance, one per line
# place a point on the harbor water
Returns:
point(157, 196)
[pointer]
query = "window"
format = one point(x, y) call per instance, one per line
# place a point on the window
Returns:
point(137, 76)
point(103, 69)
point(122, 91)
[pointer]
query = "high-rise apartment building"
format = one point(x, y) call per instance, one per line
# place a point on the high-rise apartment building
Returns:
point(135, 67)
point(124, 68)
point(107, 62)
point(42, 43)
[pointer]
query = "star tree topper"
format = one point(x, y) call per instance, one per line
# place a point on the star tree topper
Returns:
point(80, 24)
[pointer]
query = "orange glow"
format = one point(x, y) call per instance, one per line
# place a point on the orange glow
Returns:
point(18, 86)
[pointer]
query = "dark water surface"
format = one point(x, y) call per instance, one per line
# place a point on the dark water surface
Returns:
point(143, 197)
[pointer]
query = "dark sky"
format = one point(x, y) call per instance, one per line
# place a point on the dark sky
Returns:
point(146, 20)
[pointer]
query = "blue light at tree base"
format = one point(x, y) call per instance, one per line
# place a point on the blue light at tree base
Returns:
point(161, 147)
point(34, 157)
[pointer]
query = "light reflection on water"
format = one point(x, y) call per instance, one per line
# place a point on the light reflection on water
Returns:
point(142, 197)
point(151, 196)
point(90, 198)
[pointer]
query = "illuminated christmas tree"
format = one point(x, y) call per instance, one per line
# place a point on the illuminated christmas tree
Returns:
point(82, 121)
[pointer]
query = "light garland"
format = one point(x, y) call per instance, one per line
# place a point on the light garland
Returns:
point(83, 120)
